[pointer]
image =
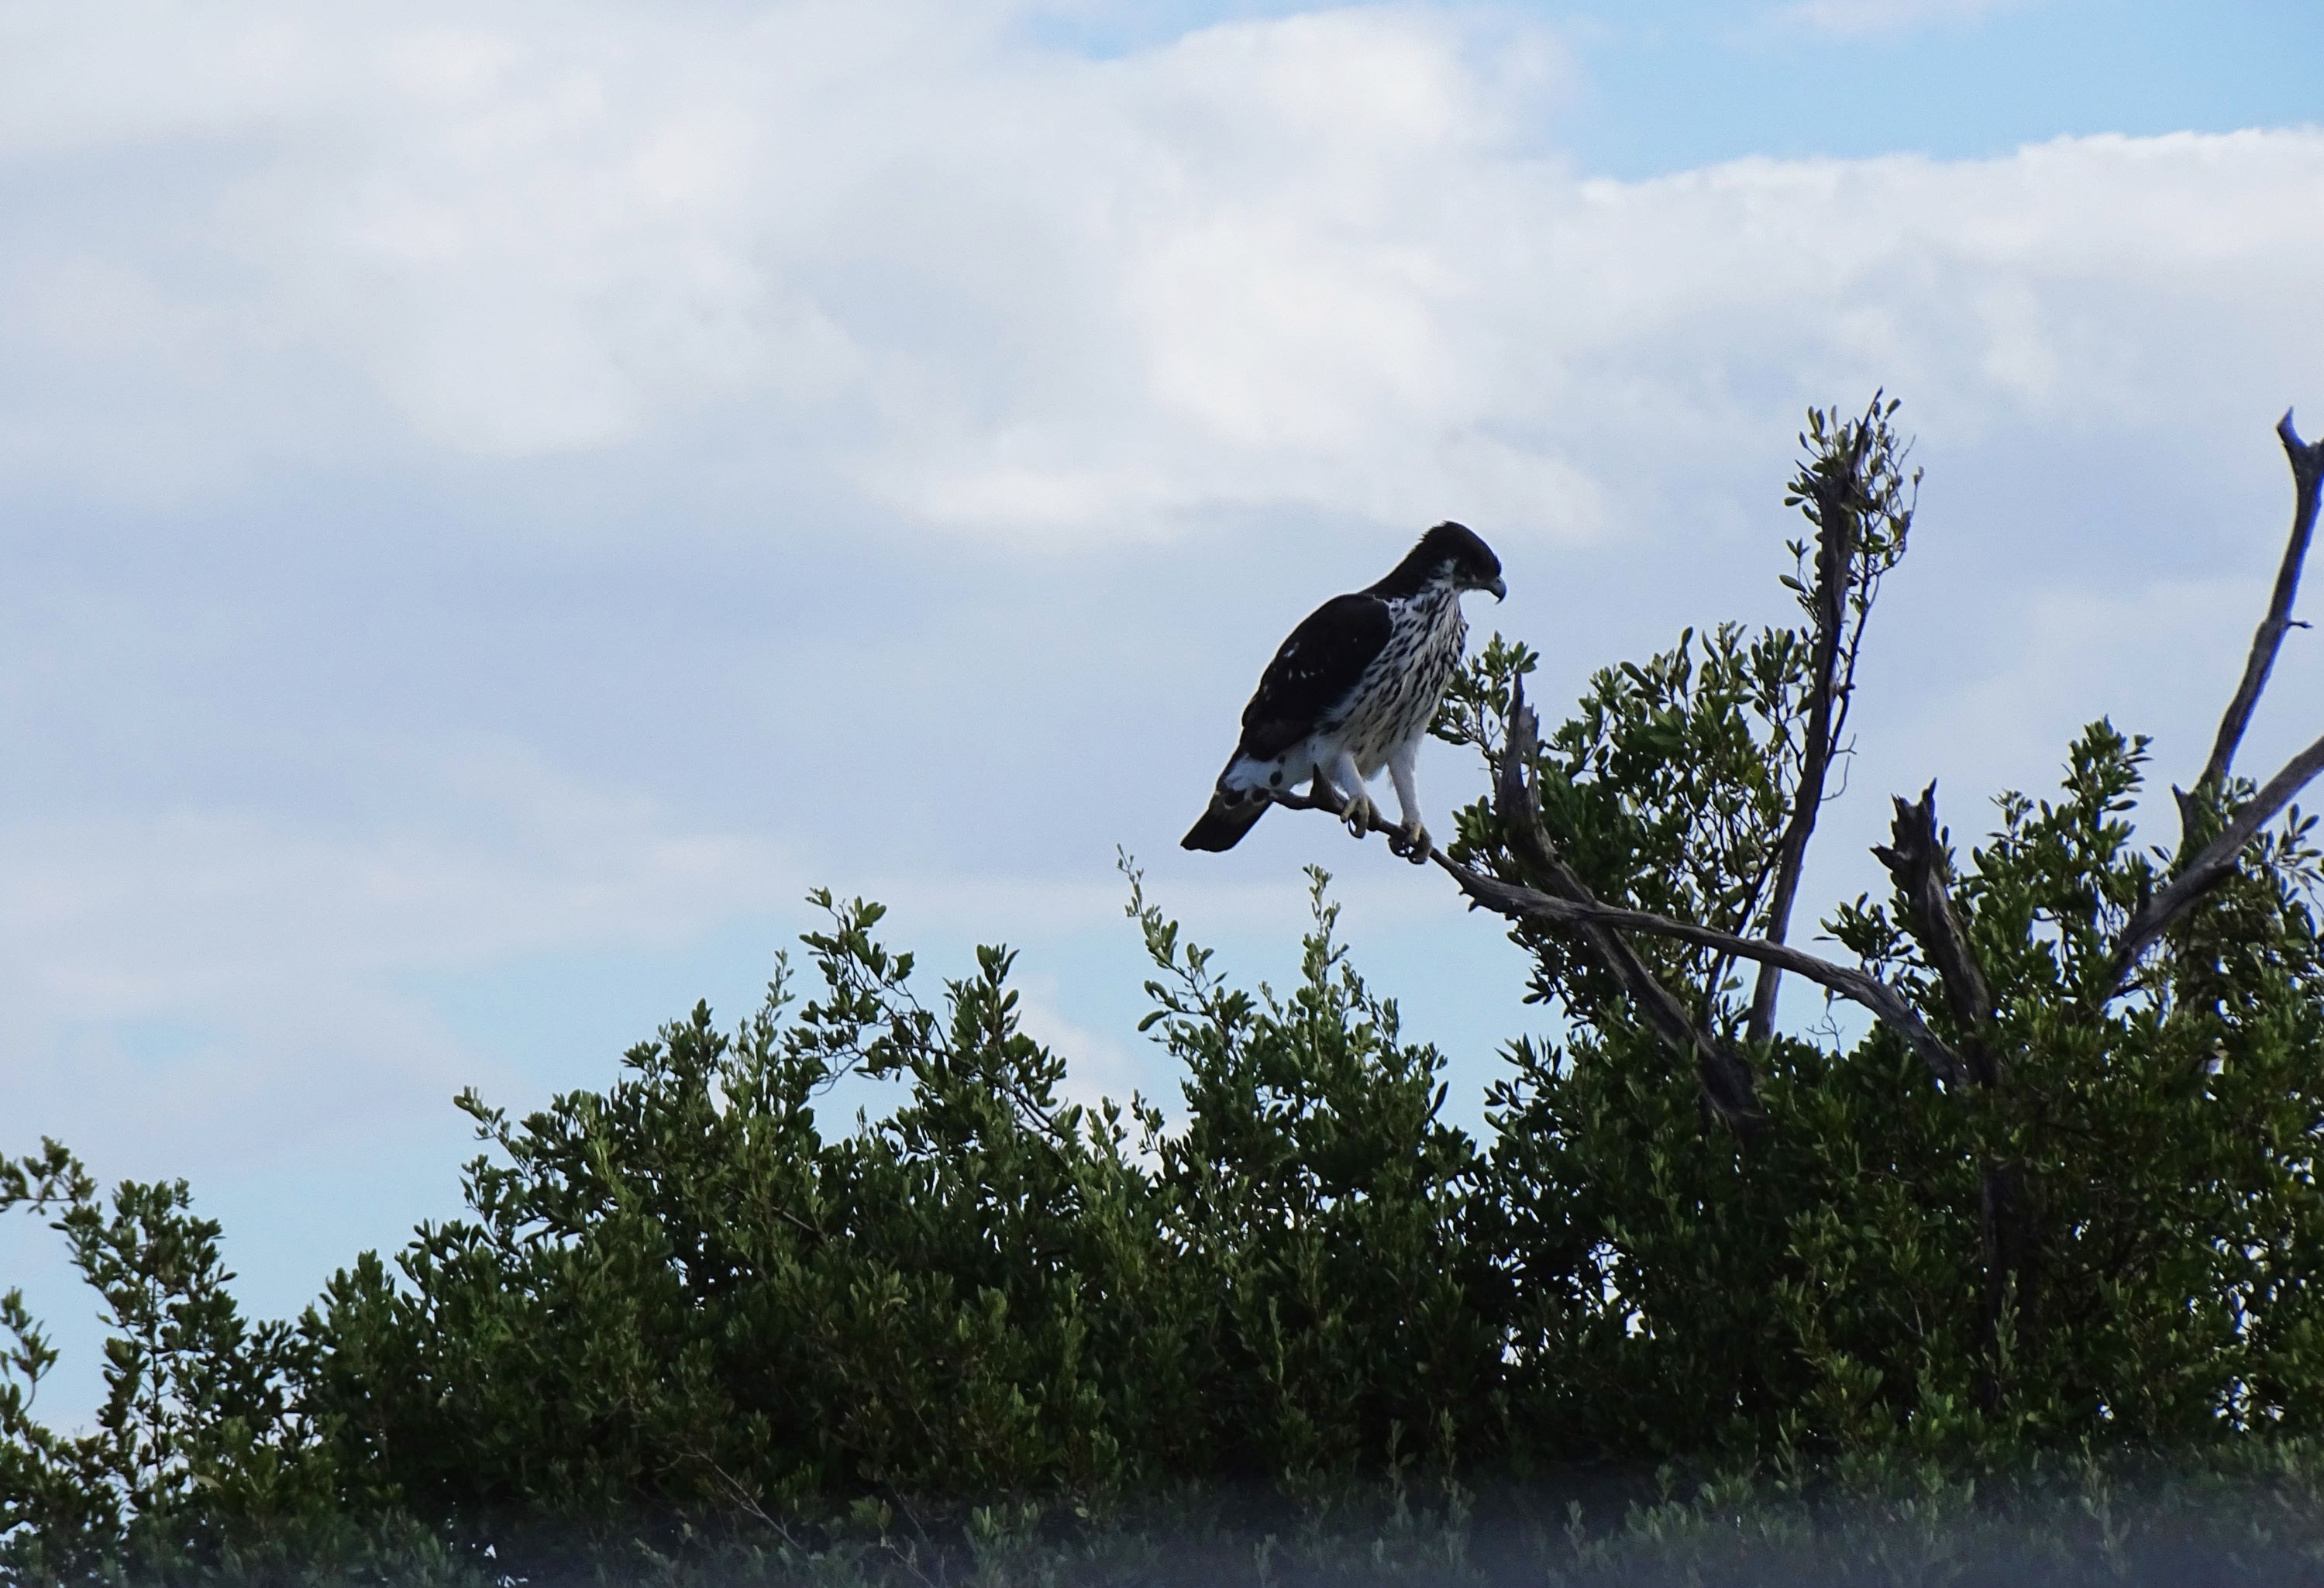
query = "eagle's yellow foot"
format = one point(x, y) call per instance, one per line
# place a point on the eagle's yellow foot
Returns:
point(1412, 843)
point(1357, 813)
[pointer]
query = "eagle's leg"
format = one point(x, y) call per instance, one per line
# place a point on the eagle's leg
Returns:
point(1411, 839)
point(1347, 784)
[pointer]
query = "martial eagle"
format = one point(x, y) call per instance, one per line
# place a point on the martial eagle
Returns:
point(1353, 690)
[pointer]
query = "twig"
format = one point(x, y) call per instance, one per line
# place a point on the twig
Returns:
point(2307, 460)
point(1837, 529)
point(745, 1498)
point(1916, 858)
point(1727, 1086)
point(793, 1219)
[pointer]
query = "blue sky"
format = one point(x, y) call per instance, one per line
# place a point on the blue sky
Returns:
point(498, 506)
point(1668, 86)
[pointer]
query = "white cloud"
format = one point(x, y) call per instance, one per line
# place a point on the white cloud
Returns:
point(1099, 1066)
point(227, 983)
point(1014, 294)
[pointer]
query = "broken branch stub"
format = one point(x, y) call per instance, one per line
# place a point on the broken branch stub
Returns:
point(1915, 859)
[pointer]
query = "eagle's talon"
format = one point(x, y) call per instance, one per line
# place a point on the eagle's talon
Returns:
point(1412, 843)
point(1359, 813)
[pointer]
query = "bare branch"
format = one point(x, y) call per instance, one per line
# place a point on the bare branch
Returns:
point(1603, 923)
point(2212, 866)
point(1726, 1080)
point(1916, 858)
point(1858, 987)
point(2307, 460)
point(2208, 870)
point(1837, 528)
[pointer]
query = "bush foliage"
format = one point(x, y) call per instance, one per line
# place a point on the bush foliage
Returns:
point(685, 1320)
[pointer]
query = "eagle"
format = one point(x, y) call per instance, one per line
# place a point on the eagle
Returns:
point(1354, 688)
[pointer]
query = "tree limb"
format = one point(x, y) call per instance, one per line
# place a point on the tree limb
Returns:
point(2006, 1232)
point(1837, 530)
point(2217, 860)
point(1603, 923)
point(1726, 1083)
point(1858, 987)
point(2307, 460)
point(2208, 870)
point(1915, 859)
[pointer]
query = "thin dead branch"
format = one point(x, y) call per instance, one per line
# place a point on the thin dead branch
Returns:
point(2307, 460)
point(1726, 1082)
point(1858, 987)
point(1727, 1086)
point(2217, 859)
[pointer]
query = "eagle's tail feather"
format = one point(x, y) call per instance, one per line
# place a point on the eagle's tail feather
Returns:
point(1224, 823)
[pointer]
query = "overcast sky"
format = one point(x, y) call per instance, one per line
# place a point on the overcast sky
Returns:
point(498, 502)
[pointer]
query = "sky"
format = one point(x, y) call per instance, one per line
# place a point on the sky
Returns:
point(498, 503)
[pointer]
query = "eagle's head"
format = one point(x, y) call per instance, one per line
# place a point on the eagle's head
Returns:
point(1453, 554)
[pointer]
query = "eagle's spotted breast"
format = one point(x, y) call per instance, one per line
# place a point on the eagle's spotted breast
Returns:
point(1395, 699)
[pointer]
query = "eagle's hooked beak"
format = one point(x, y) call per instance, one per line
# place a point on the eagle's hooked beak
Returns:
point(1501, 591)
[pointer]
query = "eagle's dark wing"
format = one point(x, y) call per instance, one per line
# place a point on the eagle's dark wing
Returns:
point(1314, 671)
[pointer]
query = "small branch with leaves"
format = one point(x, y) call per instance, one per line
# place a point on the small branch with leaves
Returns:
point(1855, 491)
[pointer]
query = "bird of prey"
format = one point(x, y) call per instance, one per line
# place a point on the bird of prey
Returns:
point(1353, 690)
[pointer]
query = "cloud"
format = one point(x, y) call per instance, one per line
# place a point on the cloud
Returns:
point(900, 265)
point(1099, 1066)
point(228, 983)
point(947, 279)
point(510, 239)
